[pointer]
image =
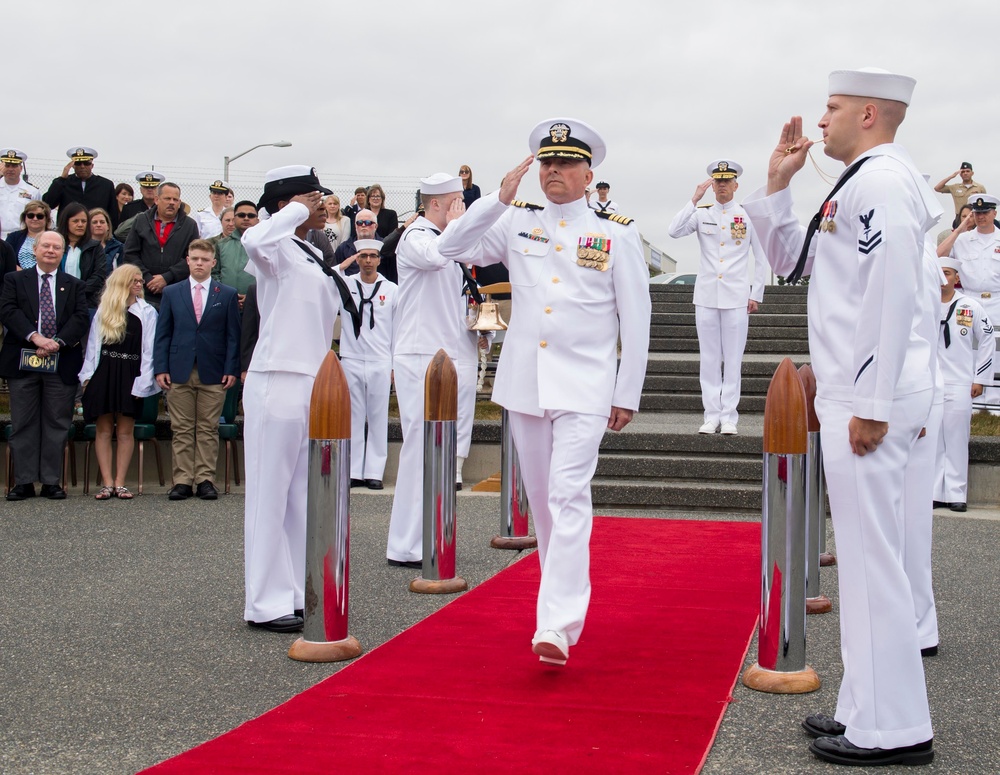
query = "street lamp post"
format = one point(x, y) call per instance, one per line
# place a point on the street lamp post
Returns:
point(228, 159)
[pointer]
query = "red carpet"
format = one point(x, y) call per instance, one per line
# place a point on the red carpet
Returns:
point(673, 610)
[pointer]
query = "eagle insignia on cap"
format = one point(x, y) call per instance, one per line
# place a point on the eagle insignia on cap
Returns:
point(79, 152)
point(979, 202)
point(723, 166)
point(559, 133)
point(218, 184)
point(148, 178)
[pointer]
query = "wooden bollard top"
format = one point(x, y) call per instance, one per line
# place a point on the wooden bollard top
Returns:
point(441, 389)
point(785, 412)
point(809, 383)
point(330, 405)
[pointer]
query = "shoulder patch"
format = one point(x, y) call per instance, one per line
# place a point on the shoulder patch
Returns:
point(622, 219)
point(704, 207)
point(526, 205)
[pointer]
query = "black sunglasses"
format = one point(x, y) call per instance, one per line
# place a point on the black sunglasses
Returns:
point(35, 216)
point(365, 223)
point(246, 215)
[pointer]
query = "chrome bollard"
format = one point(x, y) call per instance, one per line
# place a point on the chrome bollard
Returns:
point(513, 499)
point(816, 603)
point(440, 438)
point(781, 634)
point(325, 637)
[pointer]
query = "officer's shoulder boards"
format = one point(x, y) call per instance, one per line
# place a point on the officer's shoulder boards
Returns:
point(526, 205)
point(704, 207)
point(622, 219)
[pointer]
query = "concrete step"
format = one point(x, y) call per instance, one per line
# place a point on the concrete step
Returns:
point(775, 307)
point(758, 320)
point(763, 365)
point(690, 383)
point(781, 346)
point(691, 402)
point(686, 440)
point(754, 332)
point(614, 493)
point(679, 466)
point(670, 292)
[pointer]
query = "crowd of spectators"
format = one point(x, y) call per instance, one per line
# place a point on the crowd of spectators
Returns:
point(118, 254)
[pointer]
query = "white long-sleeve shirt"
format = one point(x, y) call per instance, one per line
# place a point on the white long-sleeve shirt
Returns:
point(968, 358)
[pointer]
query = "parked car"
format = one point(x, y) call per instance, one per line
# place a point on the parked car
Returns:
point(673, 279)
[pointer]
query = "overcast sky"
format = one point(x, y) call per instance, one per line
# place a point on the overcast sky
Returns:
point(371, 91)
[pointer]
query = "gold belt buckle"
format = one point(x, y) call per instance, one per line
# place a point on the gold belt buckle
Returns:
point(986, 295)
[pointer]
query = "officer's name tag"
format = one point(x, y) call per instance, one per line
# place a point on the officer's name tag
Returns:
point(32, 361)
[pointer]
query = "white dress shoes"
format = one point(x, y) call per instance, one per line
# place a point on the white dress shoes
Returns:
point(709, 427)
point(728, 429)
point(551, 647)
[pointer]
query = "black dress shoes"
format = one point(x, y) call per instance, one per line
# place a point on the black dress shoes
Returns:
point(206, 491)
point(930, 651)
point(458, 486)
point(53, 492)
point(357, 482)
point(960, 507)
point(20, 492)
point(418, 564)
point(180, 492)
point(840, 750)
point(373, 484)
point(290, 623)
point(941, 504)
point(820, 725)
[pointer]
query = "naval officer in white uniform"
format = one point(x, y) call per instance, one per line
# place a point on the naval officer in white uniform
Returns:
point(367, 362)
point(430, 315)
point(874, 391)
point(298, 306)
point(15, 192)
point(579, 284)
point(726, 292)
point(978, 251)
point(965, 353)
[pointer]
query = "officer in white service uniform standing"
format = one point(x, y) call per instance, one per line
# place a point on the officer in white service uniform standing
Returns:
point(965, 355)
point(430, 315)
point(865, 253)
point(978, 251)
point(367, 362)
point(15, 192)
point(298, 305)
point(725, 293)
point(579, 284)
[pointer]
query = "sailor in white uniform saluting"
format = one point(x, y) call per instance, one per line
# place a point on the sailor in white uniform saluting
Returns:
point(725, 294)
point(579, 284)
point(864, 251)
point(298, 301)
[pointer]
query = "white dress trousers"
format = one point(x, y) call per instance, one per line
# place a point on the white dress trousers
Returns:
point(883, 698)
point(277, 476)
point(406, 525)
point(722, 337)
point(557, 455)
point(918, 524)
point(368, 383)
point(953, 445)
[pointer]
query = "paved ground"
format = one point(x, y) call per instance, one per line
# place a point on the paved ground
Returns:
point(122, 640)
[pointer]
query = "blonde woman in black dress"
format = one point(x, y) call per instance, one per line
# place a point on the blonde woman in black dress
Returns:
point(118, 373)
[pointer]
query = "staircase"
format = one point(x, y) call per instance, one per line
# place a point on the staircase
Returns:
point(660, 461)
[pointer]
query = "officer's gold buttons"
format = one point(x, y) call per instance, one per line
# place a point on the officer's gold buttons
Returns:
point(722, 244)
point(558, 248)
point(555, 279)
point(720, 276)
point(548, 310)
point(562, 223)
point(525, 250)
point(543, 344)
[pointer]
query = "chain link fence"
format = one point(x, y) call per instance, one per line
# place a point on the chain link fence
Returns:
point(400, 191)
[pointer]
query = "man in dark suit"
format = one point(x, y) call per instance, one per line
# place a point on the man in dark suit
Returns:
point(196, 357)
point(83, 185)
point(45, 312)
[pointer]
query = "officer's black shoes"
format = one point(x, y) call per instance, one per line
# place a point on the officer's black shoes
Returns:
point(290, 623)
point(418, 564)
point(357, 483)
point(930, 651)
point(840, 750)
point(373, 484)
point(820, 725)
point(960, 507)
point(941, 504)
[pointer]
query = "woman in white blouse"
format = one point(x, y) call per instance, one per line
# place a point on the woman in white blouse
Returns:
point(338, 225)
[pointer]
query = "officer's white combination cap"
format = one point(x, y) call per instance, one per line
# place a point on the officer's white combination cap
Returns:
point(724, 169)
point(872, 82)
point(947, 262)
point(440, 183)
point(567, 138)
point(367, 244)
